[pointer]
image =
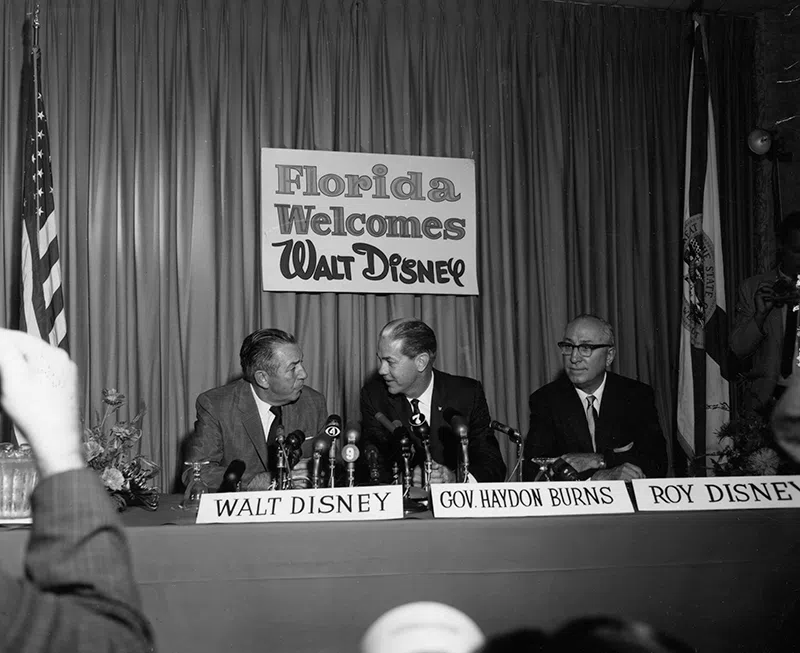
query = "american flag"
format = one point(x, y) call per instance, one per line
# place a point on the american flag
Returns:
point(42, 312)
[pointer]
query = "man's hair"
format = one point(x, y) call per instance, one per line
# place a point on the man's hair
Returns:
point(607, 329)
point(416, 336)
point(790, 222)
point(258, 351)
point(615, 635)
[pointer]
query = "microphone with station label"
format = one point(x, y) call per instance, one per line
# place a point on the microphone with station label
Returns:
point(333, 429)
point(350, 452)
point(233, 476)
point(422, 430)
point(458, 423)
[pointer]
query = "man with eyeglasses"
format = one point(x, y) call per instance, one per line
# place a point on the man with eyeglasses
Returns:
point(605, 425)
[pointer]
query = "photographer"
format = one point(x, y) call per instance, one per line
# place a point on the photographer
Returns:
point(765, 325)
point(78, 593)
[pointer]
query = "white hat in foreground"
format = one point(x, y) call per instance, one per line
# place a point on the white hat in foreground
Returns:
point(422, 627)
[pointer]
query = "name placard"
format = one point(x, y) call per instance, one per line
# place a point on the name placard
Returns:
point(529, 499)
point(719, 493)
point(326, 504)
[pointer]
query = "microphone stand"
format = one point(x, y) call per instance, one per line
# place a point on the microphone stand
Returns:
point(317, 457)
point(464, 467)
point(282, 464)
point(405, 447)
point(395, 474)
point(520, 461)
point(332, 458)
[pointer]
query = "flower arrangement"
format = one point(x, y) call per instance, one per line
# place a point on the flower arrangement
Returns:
point(108, 446)
point(748, 449)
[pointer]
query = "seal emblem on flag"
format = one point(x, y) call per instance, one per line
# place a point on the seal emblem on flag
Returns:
point(699, 284)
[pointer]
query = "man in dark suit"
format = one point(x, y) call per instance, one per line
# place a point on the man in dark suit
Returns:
point(78, 593)
point(764, 326)
point(407, 383)
point(240, 420)
point(603, 424)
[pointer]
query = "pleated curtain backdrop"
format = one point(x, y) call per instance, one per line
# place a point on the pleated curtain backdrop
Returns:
point(158, 109)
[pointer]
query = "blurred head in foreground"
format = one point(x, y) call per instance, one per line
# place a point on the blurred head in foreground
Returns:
point(423, 627)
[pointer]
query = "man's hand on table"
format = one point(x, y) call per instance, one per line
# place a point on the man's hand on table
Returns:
point(623, 472)
point(584, 461)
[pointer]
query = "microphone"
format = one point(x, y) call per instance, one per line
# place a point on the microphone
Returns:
point(320, 445)
point(294, 447)
point(333, 429)
point(385, 423)
point(350, 452)
point(232, 477)
point(512, 434)
point(561, 470)
point(458, 423)
point(333, 426)
point(371, 454)
point(421, 429)
point(352, 433)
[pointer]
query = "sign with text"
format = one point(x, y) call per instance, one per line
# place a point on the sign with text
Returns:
point(331, 504)
point(529, 499)
point(367, 223)
point(719, 493)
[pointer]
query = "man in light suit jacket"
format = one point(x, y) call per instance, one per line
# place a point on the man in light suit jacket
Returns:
point(605, 425)
point(235, 421)
point(759, 330)
point(406, 353)
point(78, 593)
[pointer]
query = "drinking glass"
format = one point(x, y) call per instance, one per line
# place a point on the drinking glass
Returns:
point(196, 487)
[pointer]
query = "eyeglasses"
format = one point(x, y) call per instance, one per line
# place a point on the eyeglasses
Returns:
point(584, 349)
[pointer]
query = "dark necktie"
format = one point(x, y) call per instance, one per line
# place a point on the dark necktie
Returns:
point(278, 421)
point(415, 411)
point(788, 354)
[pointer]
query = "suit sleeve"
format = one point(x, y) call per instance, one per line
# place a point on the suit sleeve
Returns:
point(541, 441)
point(649, 451)
point(79, 594)
point(206, 443)
point(745, 336)
point(485, 460)
point(314, 421)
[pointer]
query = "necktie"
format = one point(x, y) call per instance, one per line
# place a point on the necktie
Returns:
point(273, 428)
point(787, 356)
point(414, 410)
point(591, 418)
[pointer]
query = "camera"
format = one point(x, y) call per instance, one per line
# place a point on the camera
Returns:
point(785, 293)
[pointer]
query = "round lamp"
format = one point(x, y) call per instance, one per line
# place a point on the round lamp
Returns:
point(759, 141)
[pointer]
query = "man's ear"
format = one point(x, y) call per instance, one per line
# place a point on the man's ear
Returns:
point(421, 361)
point(262, 379)
point(611, 354)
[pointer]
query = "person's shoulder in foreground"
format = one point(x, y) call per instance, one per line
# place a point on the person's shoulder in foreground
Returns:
point(78, 593)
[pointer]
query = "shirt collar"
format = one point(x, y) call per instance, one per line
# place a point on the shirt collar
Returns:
point(426, 398)
point(597, 394)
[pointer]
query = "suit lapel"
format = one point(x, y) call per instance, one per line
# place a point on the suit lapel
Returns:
point(438, 400)
point(574, 415)
point(251, 422)
point(609, 410)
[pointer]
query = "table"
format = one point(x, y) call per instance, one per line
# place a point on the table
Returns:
point(724, 581)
